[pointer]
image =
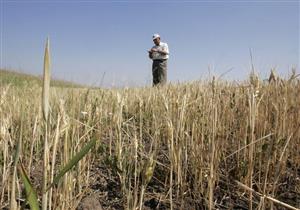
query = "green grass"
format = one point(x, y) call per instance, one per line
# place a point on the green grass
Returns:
point(22, 79)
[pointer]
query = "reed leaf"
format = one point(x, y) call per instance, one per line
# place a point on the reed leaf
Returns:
point(73, 161)
point(13, 203)
point(45, 108)
point(31, 195)
point(46, 82)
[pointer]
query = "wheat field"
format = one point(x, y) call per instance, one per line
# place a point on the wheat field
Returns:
point(202, 145)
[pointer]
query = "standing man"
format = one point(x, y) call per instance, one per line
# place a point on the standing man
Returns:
point(159, 53)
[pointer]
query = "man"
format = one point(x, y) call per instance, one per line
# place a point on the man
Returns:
point(159, 53)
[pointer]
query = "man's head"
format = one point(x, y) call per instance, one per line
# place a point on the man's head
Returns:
point(156, 39)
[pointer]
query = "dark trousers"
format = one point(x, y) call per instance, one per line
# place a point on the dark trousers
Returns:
point(159, 72)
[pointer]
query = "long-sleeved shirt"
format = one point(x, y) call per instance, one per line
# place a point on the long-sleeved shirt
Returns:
point(159, 56)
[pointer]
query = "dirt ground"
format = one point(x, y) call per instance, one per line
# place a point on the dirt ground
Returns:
point(105, 188)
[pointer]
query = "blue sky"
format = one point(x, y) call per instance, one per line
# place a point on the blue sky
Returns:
point(90, 39)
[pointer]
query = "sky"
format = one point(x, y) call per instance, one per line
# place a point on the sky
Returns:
point(105, 43)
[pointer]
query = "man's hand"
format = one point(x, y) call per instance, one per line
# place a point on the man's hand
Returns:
point(159, 51)
point(162, 52)
point(154, 50)
point(150, 54)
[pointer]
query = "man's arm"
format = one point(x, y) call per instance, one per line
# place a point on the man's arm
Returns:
point(165, 50)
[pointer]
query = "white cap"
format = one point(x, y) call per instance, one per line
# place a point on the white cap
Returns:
point(155, 36)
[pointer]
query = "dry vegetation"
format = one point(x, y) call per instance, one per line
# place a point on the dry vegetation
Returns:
point(203, 145)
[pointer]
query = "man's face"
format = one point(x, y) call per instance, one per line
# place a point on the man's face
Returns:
point(156, 41)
